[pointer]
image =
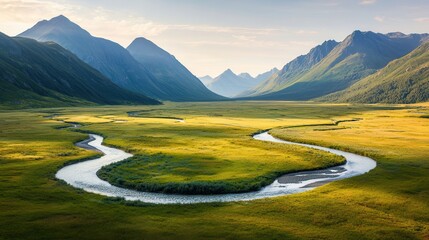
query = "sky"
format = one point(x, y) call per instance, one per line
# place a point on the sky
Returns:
point(210, 36)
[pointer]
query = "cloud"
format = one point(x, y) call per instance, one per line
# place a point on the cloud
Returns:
point(220, 29)
point(27, 12)
point(422, 19)
point(379, 18)
point(22, 10)
point(254, 43)
point(307, 32)
point(367, 2)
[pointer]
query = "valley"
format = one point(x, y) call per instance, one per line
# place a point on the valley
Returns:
point(218, 119)
point(220, 140)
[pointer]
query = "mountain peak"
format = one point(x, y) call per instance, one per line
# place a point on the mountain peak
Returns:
point(60, 23)
point(360, 34)
point(360, 38)
point(245, 75)
point(228, 71)
point(395, 34)
point(357, 32)
point(60, 18)
point(142, 47)
point(140, 40)
point(330, 41)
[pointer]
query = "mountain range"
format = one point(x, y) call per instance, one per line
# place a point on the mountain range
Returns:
point(405, 80)
point(57, 63)
point(34, 74)
point(229, 84)
point(293, 70)
point(153, 74)
point(359, 55)
point(170, 73)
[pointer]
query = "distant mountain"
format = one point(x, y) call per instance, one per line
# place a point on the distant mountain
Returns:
point(109, 58)
point(206, 80)
point(292, 71)
point(405, 80)
point(246, 76)
point(34, 74)
point(359, 55)
point(166, 69)
point(229, 84)
point(260, 81)
point(266, 75)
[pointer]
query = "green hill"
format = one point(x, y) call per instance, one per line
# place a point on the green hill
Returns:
point(293, 70)
point(405, 80)
point(34, 74)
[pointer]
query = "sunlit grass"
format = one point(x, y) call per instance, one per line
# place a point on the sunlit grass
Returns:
point(390, 202)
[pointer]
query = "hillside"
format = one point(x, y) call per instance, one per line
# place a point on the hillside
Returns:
point(359, 55)
point(293, 70)
point(166, 69)
point(266, 75)
point(34, 74)
point(405, 80)
point(111, 59)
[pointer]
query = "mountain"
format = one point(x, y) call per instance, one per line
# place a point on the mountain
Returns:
point(246, 76)
point(111, 59)
point(405, 80)
point(266, 75)
point(229, 84)
point(170, 72)
point(34, 74)
point(359, 55)
point(293, 70)
point(260, 81)
point(206, 80)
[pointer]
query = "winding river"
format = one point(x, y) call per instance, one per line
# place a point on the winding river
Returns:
point(83, 175)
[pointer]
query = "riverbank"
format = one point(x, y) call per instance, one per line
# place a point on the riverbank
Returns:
point(84, 175)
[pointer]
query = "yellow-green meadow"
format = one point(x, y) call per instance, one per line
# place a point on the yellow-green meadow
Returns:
point(214, 144)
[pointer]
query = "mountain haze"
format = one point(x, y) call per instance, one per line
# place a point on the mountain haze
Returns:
point(246, 76)
point(266, 75)
point(229, 84)
point(170, 72)
point(206, 79)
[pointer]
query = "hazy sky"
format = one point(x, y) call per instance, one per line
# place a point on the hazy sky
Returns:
point(209, 36)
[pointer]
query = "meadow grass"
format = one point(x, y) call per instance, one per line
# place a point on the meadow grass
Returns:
point(390, 202)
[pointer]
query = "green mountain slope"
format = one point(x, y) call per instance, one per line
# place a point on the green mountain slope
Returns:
point(293, 70)
point(45, 74)
point(359, 55)
point(405, 80)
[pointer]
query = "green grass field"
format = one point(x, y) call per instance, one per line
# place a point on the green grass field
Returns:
point(214, 145)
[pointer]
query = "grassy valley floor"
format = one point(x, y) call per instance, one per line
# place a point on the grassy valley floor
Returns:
point(214, 145)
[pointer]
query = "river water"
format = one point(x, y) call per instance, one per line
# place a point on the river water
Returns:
point(83, 175)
